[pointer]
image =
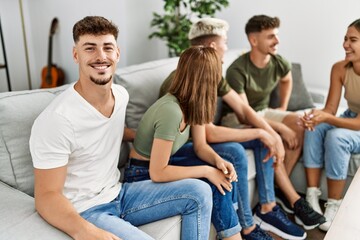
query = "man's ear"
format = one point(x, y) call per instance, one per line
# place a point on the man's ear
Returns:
point(252, 39)
point(213, 45)
point(118, 54)
point(75, 55)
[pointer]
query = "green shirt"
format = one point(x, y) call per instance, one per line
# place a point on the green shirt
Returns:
point(257, 83)
point(162, 120)
point(223, 87)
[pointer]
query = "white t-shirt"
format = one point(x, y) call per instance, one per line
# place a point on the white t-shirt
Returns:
point(72, 132)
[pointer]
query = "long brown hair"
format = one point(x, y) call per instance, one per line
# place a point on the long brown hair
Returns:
point(195, 84)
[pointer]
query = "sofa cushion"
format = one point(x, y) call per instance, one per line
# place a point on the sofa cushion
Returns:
point(18, 112)
point(143, 82)
point(300, 97)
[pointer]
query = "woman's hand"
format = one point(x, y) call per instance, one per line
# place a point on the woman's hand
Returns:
point(314, 117)
point(219, 179)
point(228, 169)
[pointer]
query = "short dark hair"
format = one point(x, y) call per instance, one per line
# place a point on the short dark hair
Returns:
point(261, 22)
point(356, 24)
point(94, 25)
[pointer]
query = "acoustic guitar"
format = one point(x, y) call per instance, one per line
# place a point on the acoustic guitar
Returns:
point(51, 75)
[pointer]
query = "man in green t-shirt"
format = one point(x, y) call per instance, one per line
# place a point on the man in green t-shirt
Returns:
point(255, 74)
point(213, 32)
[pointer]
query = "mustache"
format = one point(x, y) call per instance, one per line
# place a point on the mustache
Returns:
point(101, 62)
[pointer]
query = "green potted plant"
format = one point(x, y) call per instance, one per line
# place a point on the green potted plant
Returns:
point(174, 25)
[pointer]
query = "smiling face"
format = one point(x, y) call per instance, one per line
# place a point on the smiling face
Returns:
point(266, 41)
point(97, 57)
point(352, 45)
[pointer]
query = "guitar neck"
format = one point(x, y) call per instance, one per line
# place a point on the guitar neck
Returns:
point(49, 60)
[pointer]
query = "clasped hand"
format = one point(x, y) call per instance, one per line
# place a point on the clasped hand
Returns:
point(222, 176)
point(313, 118)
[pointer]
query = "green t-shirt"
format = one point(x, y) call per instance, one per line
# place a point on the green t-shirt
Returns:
point(257, 83)
point(223, 87)
point(162, 120)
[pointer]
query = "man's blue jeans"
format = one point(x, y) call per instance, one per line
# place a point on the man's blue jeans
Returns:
point(332, 147)
point(143, 202)
point(224, 216)
point(264, 171)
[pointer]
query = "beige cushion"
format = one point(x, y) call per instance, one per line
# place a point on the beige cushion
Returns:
point(143, 82)
point(18, 112)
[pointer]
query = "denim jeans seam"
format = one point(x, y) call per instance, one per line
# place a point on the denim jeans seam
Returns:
point(131, 210)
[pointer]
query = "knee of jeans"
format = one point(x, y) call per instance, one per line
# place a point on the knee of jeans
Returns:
point(200, 191)
point(336, 137)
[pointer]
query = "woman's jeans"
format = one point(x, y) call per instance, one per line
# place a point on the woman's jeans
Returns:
point(143, 202)
point(332, 147)
point(264, 171)
point(224, 215)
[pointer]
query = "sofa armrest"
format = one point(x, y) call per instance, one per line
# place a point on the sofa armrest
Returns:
point(19, 219)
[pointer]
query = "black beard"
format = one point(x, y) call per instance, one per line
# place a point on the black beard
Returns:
point(101, 81)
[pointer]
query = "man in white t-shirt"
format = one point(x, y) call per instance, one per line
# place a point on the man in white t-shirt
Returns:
point(75, 146)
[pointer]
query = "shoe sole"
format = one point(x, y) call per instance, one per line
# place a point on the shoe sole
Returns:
point(268, 227)
point(283, 206)
point(324, 228)
point(306, 227)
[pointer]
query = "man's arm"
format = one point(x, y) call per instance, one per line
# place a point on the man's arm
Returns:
point(57, 210)
point(251, 118)
point(239, 104)
point(129, 134)
point(285, 85)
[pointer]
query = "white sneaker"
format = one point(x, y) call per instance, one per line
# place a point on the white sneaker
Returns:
point(312, 197)
point(331, 207)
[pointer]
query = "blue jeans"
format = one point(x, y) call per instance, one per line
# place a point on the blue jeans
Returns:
point(264, 171)
point(224, 215)
point(332, 147)
point(234, 153)
point(143, 202)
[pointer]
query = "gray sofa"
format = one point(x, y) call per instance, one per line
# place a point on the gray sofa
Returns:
point(18, 218)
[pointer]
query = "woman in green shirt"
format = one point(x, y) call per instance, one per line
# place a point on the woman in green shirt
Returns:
point(165, 128)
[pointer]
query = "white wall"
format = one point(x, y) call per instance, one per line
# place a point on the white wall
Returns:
point(15, 52)
point(311, 32)
point(132, 17)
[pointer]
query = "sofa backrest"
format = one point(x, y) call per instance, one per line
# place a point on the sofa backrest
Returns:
point(18, 111)
point(143, 83)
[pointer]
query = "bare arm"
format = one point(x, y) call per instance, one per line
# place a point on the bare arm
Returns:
point(160, 171)
point(240, 105)
point(129, 134)
point(218, 134)
point(285, 90)
point(57, 210)
point(328, 114)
